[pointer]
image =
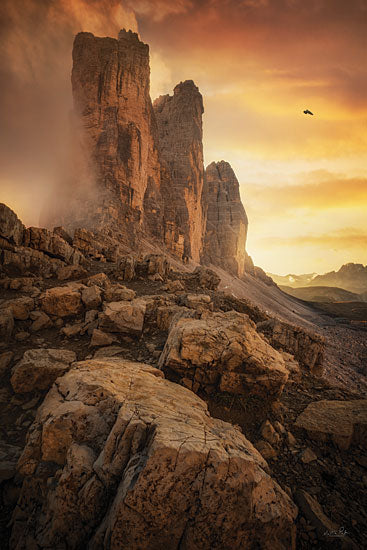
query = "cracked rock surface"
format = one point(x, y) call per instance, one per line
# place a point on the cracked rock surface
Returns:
point(223, 352)
point(118, 457)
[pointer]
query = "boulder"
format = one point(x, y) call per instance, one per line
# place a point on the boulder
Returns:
point(61, 301)
point(308, 348)
point(126, 317)
point(11, 228)
point(108, 351)
point(51, 244)
point(71, 331)
point(203, 277)
point(269, 434)
point(25, 259)
point(21, 336)
point(141, 464)
point(308, 456)
point(99, 279)
point(291, 364)
point(265, 449)
point(19, 283)
point(175, 286)
point(223, 351)
point(39, 368)
point(166, 315)
point(100, 338)
point(69, 272)
point(126, 268)
point(20, 307)
point(63, 234)
point(153, 264)
point(91, 297)
point(117, 293)
point(197, 301)
point(88, 244)
point(40, 321)
point(343, 422)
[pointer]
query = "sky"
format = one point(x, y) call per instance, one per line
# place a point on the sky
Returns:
point(258, 64)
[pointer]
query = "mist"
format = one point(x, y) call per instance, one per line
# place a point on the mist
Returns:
point(36, 38)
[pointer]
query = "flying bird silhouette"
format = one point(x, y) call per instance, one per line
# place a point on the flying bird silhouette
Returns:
point(307, 112)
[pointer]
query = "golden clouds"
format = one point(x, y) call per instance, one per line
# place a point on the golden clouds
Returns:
point(259, 65)
point(329, 193)
point(316, 224)
point(100, 17)
point(346, 238)
point(305, 44)
point(159, 9)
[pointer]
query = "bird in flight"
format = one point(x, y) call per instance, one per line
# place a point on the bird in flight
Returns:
point(307, 112)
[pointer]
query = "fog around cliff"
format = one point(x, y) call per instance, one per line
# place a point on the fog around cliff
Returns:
point(257, 64)
point(36, 40)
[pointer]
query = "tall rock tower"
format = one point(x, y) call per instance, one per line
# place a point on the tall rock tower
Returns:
point(138, 173)
point(120, 185)
point(226, 219)
point(179, 120)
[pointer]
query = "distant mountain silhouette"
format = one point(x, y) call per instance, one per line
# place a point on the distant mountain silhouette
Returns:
point(325, 294)
point(291, 280)
point(351, 277)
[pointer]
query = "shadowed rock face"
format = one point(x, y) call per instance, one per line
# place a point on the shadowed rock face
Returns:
point(179, 119)
point(226, 220)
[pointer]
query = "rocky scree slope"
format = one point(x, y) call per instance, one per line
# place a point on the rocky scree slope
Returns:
point(144, 407)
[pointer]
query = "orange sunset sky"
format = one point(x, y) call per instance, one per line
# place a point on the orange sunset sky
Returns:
point(258, 64)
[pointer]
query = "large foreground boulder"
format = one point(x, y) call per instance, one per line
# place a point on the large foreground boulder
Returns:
point(120, 458)
point(223, 351)
point(343, 422)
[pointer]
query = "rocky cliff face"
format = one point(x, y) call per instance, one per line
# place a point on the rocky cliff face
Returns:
point(179, 120)
point(226, 220)
point(138, 169)
point(110, 81)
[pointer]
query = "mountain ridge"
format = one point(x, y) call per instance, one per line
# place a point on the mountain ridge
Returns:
point(350, 276)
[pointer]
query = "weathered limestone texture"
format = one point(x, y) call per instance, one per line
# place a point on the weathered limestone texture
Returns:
point(179, 119)
point(120, 458)
point(226, 220)
point(110, 81)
